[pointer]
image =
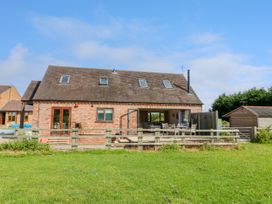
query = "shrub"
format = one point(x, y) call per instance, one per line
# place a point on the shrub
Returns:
point(24, 145)
point(264, 136)
point(225, 123)
point(170, 148)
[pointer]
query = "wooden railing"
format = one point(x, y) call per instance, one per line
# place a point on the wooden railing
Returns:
point(130, 138)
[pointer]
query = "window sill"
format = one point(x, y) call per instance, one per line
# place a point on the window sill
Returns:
point(104, 121)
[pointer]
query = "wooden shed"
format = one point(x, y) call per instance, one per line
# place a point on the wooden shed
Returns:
point(250, 116)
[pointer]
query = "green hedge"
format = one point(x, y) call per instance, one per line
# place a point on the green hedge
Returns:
point(24, 145)
point(264, 136)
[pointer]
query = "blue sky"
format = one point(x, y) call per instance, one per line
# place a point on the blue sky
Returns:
point(226, 44)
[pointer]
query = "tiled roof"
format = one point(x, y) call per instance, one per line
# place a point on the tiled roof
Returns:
point(123, 87)
point(15, 106)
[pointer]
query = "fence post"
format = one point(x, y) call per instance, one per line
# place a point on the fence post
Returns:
point(35, 134)
point(237, 137)
point(140, 139)
point(212, 136)
point(157, 138)
point(74, 138)
point(183, 138)
point(253, 133)
point(108, 138)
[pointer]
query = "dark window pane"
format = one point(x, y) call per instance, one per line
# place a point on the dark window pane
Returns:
point(26, 117)
point(56, 119)
point(108, 113)
point(66, 118)
point(64, 79)
point(100, 114)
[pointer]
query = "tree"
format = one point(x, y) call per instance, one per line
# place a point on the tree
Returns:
point(252, 97)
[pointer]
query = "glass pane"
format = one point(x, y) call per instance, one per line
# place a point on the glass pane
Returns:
point(64, 79)
point(103, 81)
point(66, 118)
point(162, 117)
point(167, 84)
point(155, 117)
point(108, 111)
point(143, 83)
point(108, 114)
point(100, 114)
point(56, 119)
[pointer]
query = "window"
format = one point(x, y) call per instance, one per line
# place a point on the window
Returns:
point(64, 79)
point(26, 117)
point(103, 81)
point(167, 84)
point(61, 118)
point(156, 117)
point(12, 117)
point(104, 114)
point(143, 83)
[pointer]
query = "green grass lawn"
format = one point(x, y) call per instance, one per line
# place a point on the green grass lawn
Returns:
point(221, 176)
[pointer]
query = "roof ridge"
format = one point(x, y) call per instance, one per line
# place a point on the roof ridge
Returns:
point(111, 69)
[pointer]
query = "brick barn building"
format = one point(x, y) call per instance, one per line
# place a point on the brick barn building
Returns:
point(11, 107)
point(71, 97)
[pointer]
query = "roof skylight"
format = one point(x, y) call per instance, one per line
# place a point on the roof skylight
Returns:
point(167, 84)
point(143, 83)
point(64, 79)
point(103, 80)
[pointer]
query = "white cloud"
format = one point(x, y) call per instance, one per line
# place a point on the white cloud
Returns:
point(15, 62)
point(227, 73)
point(65, 27)
point(205, 38)
point(127, 56)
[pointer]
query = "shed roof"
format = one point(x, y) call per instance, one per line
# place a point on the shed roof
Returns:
point(123, 87)
point(259, 111)
point(15, 106)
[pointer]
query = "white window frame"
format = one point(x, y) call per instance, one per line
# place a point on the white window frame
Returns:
point(61, 79)
point(144, 81)
point(104, 78)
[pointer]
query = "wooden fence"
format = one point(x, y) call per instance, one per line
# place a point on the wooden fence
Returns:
point(127, 138)
point(244, 132)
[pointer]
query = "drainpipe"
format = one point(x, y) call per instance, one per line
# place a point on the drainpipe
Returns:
point(22, 116)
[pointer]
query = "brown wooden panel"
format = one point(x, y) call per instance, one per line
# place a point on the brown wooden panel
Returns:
point(249, 121)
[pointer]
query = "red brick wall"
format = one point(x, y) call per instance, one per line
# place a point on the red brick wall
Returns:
point(85, 113)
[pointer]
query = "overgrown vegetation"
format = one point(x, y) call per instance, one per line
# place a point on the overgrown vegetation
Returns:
point(264, 136)
point(106, 177)
point(24, 145)
point(255, 97)
point(170, 148)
